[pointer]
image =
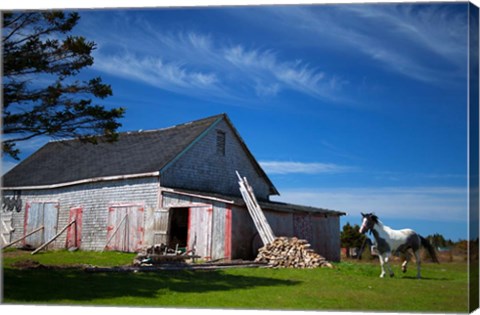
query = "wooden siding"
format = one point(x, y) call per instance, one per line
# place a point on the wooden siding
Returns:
point(95, 200)
point(204, 168)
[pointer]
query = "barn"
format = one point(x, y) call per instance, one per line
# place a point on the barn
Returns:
point(175, 186)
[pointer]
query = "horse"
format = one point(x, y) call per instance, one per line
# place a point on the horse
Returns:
point(389, 241)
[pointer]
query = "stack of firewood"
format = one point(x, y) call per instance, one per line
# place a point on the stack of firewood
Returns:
point(285, 252)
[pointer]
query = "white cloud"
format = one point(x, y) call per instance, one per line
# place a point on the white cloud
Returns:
point(427, 203)
point(198, 64)
point(424, 42)
point(282, 167)
point(294, 75)
point(172, 76)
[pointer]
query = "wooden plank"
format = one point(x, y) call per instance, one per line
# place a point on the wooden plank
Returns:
point(23, 237)
point(52, 239)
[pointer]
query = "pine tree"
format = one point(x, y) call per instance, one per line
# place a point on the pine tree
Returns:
point(41, 96)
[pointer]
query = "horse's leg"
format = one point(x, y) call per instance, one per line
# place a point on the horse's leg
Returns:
point(407, 260)
point(386, 260)
point(417, 259)
point(381, 258)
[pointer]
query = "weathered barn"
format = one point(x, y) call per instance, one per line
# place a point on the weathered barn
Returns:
point(174, 186)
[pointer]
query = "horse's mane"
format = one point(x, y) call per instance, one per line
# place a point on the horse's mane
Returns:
point(372, 216)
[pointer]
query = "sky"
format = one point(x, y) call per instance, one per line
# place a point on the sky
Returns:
point(349, 107)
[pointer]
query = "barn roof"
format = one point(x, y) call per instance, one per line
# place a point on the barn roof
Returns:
point(142, 153)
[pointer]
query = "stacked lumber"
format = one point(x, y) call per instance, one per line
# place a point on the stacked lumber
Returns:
point(290, 252)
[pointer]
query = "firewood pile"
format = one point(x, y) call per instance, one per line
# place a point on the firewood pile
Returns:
point(285, 252)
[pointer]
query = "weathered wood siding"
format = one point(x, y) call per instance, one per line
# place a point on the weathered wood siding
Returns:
point(203, 168)
point(322, 232)
point(95, 199)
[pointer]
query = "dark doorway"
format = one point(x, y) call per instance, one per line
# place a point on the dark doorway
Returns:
point(179, 227)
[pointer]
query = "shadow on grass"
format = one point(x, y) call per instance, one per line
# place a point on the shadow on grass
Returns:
point(425, 278)
point(49, 286)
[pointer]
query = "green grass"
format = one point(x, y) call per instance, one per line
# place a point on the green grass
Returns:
point(350, 286)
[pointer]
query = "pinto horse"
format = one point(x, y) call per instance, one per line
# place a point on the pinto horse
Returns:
point(389, 241)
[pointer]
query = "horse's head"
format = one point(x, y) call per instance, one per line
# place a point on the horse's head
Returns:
point(368, 222)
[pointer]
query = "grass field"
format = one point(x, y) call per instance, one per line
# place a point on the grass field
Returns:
point(350, 286)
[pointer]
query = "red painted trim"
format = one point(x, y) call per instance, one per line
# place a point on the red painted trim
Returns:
point(209, 238)
point(228, 233)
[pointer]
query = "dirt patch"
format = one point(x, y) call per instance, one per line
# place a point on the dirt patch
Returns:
point(35, 265)
point(27, 264)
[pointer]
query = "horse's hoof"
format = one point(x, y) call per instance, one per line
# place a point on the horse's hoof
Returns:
point(392, 275)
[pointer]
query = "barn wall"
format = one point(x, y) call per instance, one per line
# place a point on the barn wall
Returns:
point(326, 240)
point(322, 232)
point(202, 168)
point(244, 234)
point(95, 200)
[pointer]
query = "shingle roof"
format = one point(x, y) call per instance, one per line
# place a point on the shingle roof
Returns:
point(134, 153)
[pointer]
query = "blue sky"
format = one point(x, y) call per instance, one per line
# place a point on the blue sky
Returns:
point(351, 107)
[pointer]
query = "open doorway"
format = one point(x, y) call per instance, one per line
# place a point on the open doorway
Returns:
point(178, 228)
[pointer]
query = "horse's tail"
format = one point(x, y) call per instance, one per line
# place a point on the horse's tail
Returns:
point(429, 247)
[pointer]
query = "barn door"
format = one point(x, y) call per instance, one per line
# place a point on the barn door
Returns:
point(200, 231)
point(125, 228)
point(161, 226)
point(74, 231)
point(221, 233)
point(40, 214)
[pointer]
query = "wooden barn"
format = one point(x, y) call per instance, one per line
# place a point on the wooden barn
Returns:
point(175, 186)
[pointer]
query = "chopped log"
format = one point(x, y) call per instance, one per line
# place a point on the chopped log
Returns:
point(292, 252)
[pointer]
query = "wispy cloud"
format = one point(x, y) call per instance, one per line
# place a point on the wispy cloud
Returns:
point(428, 203)
point(200, 65)
point(172, 76)
point(424, 42)
point(282, 167)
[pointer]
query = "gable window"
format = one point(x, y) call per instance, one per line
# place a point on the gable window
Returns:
point(221, 142)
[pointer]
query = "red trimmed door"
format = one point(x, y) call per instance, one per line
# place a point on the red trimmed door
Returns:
point(74, 231)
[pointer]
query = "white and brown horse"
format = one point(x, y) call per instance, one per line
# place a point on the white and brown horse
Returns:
point(389, 241)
